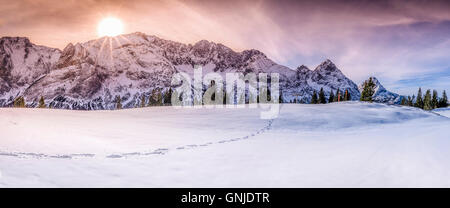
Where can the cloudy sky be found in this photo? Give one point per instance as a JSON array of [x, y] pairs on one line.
[[405, 44]]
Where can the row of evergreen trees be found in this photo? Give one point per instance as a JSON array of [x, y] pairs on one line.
[[156, 98], [19, 102], [338, 97], [428, 102]]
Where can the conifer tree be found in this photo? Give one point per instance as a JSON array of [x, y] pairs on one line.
[[118, 102], [280, 99], [331, 98], [336, 97], [419, 99], [410, 101], [143, 101], [344, 95], [368, 90], [427, 101], [158, 95], [212, 85], [42, 103], [347, 96], [322, 98], [257, 99], [443, 102], [168, 97], [164, 96], [152, 98], [314, 99], [225, 97], [404, 101], [19, 102], [434, 100]]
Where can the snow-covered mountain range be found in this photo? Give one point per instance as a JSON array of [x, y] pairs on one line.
[[91, 75]]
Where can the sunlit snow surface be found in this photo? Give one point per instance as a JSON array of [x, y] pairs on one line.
[[335, 145]]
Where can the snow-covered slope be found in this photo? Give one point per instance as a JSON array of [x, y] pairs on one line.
[[348, 144], [442, 111], [91, 75], [382, 95]]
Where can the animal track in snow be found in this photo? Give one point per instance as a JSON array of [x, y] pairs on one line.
[[160, 151]]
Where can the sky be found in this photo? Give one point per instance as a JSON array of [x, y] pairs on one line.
[[405, 44]]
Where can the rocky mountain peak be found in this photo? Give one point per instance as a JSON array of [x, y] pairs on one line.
[[16, 41], [303, 68], [139, 34], [206, 48], [203, 43], [68, 47], [327, 65], [253, 53]]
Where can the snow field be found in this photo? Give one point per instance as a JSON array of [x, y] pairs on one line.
[[349, 144]]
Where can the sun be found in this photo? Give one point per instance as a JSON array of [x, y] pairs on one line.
[[110, 26]]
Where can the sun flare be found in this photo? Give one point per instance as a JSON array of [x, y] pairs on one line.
[[110, 26]]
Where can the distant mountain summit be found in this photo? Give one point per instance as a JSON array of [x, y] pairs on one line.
[[327, 76], [91, 75], [381, 94]]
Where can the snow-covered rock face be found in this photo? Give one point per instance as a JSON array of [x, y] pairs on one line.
[[90, 75], [382, 95], [22, 64], [326, 76]]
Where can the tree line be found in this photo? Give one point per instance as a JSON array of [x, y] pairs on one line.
[[320, 98], [19, 102], [156, 98], [429, 101]]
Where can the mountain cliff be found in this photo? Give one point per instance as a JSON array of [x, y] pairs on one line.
[[21, 65]]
